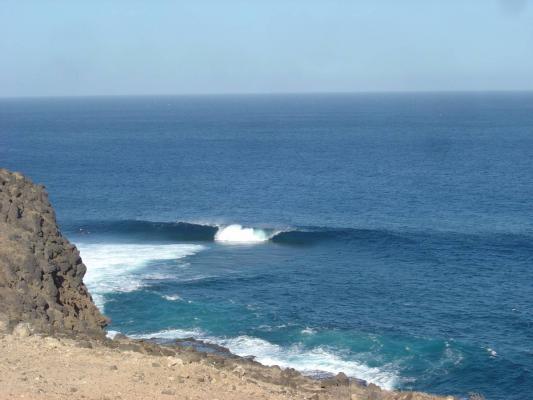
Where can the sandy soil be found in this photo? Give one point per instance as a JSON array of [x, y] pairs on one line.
[[35, 367]]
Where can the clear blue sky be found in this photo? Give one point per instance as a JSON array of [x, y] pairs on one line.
[[59, 47]]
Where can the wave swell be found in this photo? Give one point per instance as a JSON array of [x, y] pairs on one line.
[[172, 232], [232, 233]]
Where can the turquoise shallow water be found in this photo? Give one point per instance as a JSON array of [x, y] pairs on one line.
[[387, 236]]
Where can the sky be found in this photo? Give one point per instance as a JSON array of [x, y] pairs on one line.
[[129, 47]]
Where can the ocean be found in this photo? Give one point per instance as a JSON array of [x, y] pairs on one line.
[[388, 236]]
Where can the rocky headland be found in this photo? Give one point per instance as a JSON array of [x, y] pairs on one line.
[[53, 343], [41, 272]]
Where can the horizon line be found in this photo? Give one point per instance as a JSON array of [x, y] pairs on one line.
[[222, 94]]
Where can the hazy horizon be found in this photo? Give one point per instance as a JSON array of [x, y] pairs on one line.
[[64, 49], [237, 94]]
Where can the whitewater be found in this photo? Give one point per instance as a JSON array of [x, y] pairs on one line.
[[116, 268], [236, 233]]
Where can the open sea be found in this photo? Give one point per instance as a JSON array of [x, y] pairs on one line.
[[388, 236]]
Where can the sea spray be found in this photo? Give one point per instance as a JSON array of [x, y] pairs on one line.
[[238, 234]]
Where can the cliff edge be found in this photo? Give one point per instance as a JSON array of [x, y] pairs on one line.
[[41, 272]]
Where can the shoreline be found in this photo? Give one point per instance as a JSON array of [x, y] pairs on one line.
[[124, 368], [201, 346]]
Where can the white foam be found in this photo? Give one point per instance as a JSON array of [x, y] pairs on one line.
[[111, 334], [158, 276], [307, 361], [171, 334], [113, 267], [238, 234], [173, 297]]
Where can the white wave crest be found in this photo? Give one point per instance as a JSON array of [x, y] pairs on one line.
[[238, 234], [307, 361], [114, 267]]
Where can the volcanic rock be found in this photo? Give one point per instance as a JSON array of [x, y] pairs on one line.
[[41, 272]]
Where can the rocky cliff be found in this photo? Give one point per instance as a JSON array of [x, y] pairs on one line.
[[41, 272]]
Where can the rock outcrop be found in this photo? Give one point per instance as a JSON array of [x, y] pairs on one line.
[[41, 272]]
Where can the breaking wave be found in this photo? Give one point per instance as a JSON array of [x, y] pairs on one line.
[[147, 231], [310, 361], [172, 232], [238, 234]]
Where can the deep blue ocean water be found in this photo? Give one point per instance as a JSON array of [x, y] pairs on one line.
[[389, 236]]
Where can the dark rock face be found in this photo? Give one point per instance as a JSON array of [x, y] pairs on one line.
[[40, 271]]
